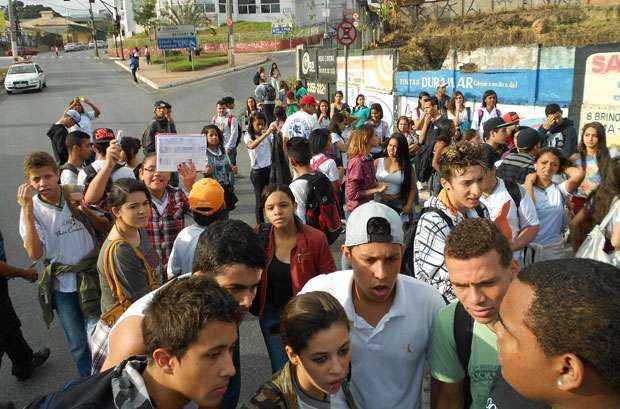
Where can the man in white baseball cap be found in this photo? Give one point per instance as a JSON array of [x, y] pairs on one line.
[[391, 314]]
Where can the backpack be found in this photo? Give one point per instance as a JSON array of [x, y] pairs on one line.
[[322, 206], [68, 166], [256, 78], [463, 328], [407, 266], [423, 161], [481, 114], [270, 93]]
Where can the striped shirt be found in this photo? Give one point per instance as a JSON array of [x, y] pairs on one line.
[[515, 167], [430, 241]]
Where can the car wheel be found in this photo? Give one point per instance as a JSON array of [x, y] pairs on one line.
[[9, 92], [45, 85]]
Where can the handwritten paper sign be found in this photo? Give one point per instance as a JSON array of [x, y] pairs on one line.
[[173, 149]]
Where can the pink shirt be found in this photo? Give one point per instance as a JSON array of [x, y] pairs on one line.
[[360, 176]]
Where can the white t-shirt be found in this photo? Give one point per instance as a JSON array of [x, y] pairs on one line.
[[300, 188], [230, 132], [300, 124], [68, 177], [260, 157], [387, 361], [85, 125], [120, 173], [328, 167], [550, 206], [486, 115], [463, 115], [518, 219], [181, 259], [65, 240]]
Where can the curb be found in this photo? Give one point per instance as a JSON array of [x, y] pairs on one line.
[[192, 80]]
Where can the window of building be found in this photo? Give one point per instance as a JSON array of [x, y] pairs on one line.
[[270, 6], [247, 6], [222, 4]]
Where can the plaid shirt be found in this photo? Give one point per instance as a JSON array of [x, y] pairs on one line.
[[98, 343], [163, 228], [429, 244]]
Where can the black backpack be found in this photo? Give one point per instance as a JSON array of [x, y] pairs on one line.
[[322, 206], [270, 92], [463, 329], [423, 162], [68, 166], [407, 266], [515, 192]]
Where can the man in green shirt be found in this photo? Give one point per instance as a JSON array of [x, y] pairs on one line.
[[481, 267]]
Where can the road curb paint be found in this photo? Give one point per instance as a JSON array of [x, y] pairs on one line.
[[153, 85]]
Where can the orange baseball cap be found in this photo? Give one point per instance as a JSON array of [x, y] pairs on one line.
[[207, 196]]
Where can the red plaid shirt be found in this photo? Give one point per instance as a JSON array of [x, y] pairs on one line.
[[164, 228]]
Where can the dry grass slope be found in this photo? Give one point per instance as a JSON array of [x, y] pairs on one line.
[[424, 46]]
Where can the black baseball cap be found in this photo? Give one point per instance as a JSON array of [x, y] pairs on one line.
[[527, 138], [491, 124], [162, 104]]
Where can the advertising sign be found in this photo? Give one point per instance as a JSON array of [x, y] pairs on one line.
[[373, 72], [173, 37], [281, 28], [326, 64], [308, 64]]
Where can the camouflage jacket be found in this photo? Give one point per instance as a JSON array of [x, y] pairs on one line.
[[279, 392]]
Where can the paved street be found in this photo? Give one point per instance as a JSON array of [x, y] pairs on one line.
[[25, 119]]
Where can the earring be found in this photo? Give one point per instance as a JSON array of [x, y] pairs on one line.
[[560, 382]]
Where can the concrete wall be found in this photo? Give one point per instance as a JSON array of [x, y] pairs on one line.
[[453, 8]]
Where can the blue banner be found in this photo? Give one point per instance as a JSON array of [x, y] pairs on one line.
[[512, 86], [174, 43]]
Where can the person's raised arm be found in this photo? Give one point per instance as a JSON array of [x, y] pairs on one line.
[[96, 189], [28, 229], [575, 177], [95, 108], [254, 143]]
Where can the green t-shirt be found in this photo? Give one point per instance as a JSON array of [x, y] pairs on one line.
[[444, 360]]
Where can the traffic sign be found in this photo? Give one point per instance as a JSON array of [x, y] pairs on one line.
[[346, 33], [229, 22], [281, 28], [172, 37]]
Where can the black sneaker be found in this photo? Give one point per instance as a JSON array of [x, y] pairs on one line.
[[38, 359]]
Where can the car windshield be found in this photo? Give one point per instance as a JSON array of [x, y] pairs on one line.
[[22, 69]]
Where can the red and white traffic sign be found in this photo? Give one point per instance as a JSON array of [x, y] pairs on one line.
[[346, 33], [229, 22]]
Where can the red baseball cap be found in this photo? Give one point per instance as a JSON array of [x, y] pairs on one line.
[[103, 135], [511, 117], [307, 100]]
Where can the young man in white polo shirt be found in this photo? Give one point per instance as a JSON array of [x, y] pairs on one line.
[[391, 314]]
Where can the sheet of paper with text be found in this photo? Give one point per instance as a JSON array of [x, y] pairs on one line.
[[173, 149]]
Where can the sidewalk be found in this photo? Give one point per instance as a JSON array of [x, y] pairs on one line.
[[156, 77]]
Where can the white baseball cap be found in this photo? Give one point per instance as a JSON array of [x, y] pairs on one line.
[[73, 114], [357, 225]]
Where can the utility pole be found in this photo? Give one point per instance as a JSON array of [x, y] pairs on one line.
[[92, 26], [231, 34], [13, 30]]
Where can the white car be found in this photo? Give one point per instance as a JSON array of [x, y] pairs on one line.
[[24, 76]]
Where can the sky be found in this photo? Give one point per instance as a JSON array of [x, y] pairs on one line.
[[66, 7]]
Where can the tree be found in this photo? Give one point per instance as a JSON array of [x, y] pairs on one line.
[[187, 12], [28, 11], [3, 24], [144, 14]]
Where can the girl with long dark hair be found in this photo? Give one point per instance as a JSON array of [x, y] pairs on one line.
[[380, 126], [396, 172], [258, 140], [280, 170], [591, 155], [459, 113], [295, 253], [488, 109], [323, 113], [315, 331]]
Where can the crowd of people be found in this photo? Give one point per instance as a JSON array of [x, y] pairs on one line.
[[493, 285]]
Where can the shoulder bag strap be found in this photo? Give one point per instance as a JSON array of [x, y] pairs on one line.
[[150, 274], [109, 269], [463, 335]]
